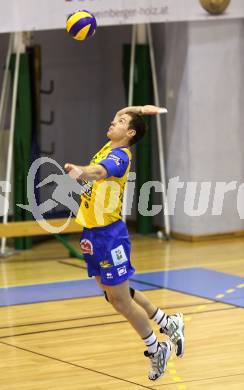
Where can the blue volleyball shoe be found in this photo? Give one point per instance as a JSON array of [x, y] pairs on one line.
[[175, 330]]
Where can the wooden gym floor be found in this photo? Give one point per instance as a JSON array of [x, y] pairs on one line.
[[83, 344]]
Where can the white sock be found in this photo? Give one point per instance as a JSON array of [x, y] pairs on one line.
[[151, 342], [160, 317]]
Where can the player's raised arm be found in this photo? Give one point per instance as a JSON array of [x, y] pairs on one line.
[[90, 172], [143, 110]]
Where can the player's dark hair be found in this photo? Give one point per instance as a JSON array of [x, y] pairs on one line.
[[138, 124]]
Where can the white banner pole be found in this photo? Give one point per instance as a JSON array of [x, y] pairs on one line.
[[18, 37], [5, 86]]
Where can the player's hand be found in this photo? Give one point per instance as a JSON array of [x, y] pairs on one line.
[[74, 171], [153, 110]]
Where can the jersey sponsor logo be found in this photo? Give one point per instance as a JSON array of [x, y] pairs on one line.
[[122, 271], [118, 255], [86, 247], [118, 161], [86, 188], [105, 264]]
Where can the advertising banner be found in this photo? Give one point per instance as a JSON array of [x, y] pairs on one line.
[[28, 15]]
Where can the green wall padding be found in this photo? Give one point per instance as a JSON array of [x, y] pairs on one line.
[[22, 145]]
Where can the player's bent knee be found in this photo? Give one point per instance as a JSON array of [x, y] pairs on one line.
[[120, 304], [132, 294]]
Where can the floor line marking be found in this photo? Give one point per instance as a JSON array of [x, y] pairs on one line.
[[75, 365], [98, 316], [187, 318]]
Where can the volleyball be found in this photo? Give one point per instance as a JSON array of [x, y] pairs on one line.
[[81, 25], [215, 7]]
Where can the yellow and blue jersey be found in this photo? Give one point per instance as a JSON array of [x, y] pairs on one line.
[[101, 201]]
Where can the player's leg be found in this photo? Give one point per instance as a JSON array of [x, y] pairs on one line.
[[115, 271], [171, 325], [118, 257], [119, 297], [145, 303], [159, 353]]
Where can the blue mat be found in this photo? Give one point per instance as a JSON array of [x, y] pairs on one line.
[[55, 292], [195, 281], [200, 282]]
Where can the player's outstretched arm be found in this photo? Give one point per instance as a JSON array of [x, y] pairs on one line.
[[90, 172], [143, 110]]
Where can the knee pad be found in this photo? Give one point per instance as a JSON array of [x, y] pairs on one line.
[[106, 296], [132, 292]]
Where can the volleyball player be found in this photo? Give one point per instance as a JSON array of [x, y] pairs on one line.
[[105, 242]]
